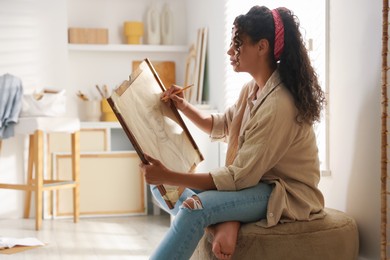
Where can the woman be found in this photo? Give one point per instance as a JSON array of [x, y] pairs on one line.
[[272, 167]]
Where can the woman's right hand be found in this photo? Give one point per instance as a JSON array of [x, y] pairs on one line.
[[178, 99]]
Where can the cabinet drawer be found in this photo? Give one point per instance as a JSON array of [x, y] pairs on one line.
[[90, 140]]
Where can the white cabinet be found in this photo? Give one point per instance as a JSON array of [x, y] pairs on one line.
[[110, 181]]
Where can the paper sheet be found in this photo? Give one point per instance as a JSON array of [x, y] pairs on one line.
[[9, 242]]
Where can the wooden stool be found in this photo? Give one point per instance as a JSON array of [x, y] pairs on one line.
[[333, 237], [35, 127]]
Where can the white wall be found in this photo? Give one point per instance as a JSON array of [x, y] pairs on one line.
[[210, 14], [355, 60], [46, 34], [354, 83]]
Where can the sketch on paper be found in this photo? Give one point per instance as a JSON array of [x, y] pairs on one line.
[[154, 127]]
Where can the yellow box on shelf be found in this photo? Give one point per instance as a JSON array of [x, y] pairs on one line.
[[133, 31]]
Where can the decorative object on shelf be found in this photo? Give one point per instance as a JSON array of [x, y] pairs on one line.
[[166, 25], [195, 67], [152, 26], [189, 76], [170, 49], [201, 60], [88, 35], [133, 32], [107, 113], [93, 111], [165, 69]]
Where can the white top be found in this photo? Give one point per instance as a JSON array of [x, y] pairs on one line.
[[28, 125]]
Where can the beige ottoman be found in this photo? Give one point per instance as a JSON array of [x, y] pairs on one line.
[[333, 238]]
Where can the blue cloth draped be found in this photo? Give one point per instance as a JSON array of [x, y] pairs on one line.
[[11, 93]]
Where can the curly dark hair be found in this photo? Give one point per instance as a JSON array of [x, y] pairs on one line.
[[295, 67]]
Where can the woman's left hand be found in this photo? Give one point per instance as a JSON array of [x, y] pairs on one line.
[[155, 173]]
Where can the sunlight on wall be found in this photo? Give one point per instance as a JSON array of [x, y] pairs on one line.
[[21, 48], [20, 41]]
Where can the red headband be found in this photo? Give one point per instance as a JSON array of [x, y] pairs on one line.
[[279, 34]]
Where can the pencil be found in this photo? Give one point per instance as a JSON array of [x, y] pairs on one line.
[[100, 91], [177, 92]]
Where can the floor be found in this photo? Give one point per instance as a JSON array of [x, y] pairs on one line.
[[99, 238]]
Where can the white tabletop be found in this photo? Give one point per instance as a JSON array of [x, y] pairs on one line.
[[28, 125]]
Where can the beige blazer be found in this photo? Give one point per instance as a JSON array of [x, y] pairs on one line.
[[269, 145]]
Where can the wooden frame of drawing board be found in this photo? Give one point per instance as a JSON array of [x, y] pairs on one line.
[[155, 127]]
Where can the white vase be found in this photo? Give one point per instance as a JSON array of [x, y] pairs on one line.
[[152, 27], [166, 25]]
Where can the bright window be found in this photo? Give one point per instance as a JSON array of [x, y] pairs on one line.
[[312, 16]]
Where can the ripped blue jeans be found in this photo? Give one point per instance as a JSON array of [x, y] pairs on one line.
[[187, 229]]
